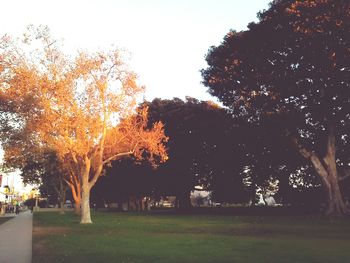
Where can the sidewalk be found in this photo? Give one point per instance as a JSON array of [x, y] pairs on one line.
[[16, 239]]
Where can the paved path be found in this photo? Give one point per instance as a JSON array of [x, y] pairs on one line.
[[16, 239]]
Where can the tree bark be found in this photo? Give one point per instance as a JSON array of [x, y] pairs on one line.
[[76, 193], [85, 194], [336, 205], [85, 205], [62, 196], [77, 206], [62, 207], [329, 177]]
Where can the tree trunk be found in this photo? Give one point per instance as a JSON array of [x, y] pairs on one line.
[[85, 205], [62, 196], [284, 190], [120, 205], [326, 168], [184, 201], [77, 202], [76, 193], [329, 177], [77, 206], [62, 206], [252, 194], [85, 194], [336, 205]]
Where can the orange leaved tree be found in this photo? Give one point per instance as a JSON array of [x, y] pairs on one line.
[[83, 108]]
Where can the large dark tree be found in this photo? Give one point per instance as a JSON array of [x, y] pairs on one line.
[[295, 65], [205, 149], [126, 180], [202, 149]]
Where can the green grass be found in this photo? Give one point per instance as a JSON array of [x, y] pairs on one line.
[[132, 237]]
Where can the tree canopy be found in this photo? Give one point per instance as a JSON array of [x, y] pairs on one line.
[[293, 65], [202, 145], [82, 108]]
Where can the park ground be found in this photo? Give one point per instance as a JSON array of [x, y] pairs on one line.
[[139, 237]]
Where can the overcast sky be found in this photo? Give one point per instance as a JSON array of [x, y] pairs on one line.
[[167, 39]]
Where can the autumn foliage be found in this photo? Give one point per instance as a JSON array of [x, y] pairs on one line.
[[83, 108]]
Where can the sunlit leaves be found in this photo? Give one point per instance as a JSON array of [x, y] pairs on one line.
[[83, 108]]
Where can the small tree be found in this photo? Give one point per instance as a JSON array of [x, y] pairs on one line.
[[84, 108], [48, 171]]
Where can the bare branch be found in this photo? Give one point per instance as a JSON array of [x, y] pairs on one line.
[[53, 42], [110, 69]]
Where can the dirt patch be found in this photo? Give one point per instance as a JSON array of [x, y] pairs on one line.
[[42, 231], [39, 248]]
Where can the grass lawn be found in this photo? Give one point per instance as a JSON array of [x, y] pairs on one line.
[[133, 237]]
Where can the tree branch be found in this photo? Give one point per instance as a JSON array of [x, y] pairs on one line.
[[115, 157], [74, 157], [110, 69], [301, 149], [319, 164], [68, 183], [345, 174]]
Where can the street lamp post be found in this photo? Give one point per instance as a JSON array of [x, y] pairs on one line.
[[36, 195]]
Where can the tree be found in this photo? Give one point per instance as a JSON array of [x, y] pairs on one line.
[[46, 170], [38, 165], [124, 181], [82, 108], [231, 158], [203, 142], [294, 65]]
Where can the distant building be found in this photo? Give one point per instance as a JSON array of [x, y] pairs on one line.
[[12, 187]]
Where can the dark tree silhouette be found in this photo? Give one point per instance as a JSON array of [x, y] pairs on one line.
[[294, 65], [43, 168], [202, 149], [124, 181]]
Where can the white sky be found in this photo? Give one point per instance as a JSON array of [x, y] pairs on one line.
[[167, 39]]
